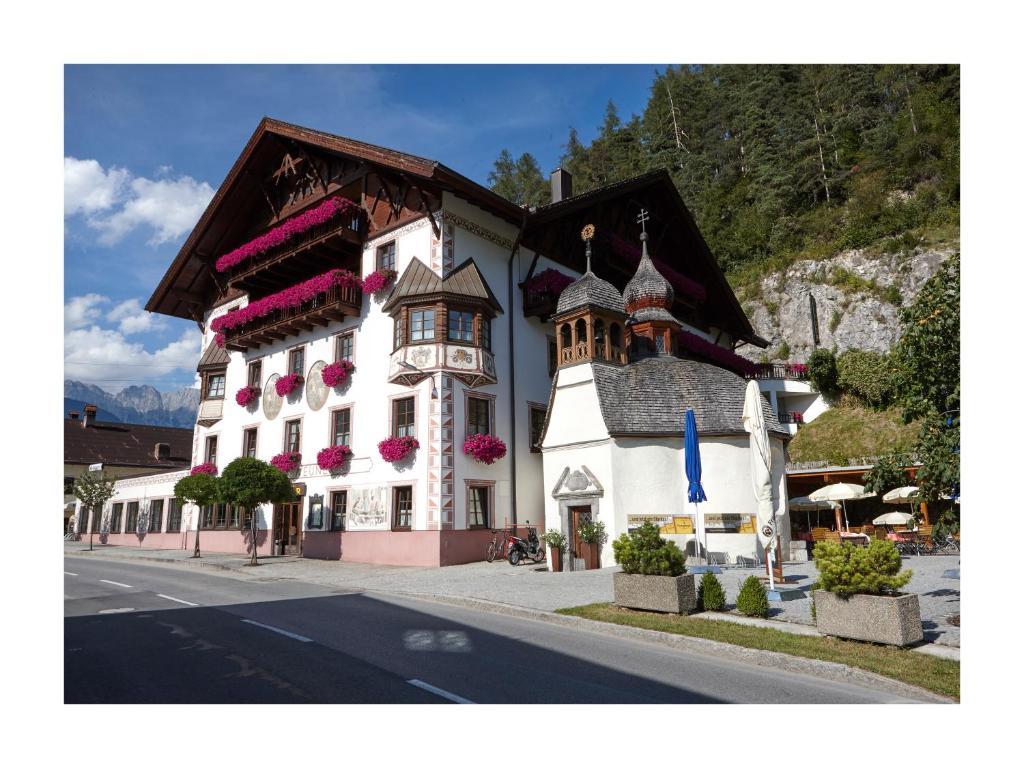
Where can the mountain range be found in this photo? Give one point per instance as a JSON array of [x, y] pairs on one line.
[[135, 404]]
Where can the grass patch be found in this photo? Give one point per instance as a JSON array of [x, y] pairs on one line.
[[848, 431], [934, 674]]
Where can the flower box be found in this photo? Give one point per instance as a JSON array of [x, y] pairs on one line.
[[397, 448], [484, 448], [246, 396], [285, 385], [378, 281], [667, 594], [287, 461], [333, 457], [887, 619], [336, 374], [556, 559], [209, 468]]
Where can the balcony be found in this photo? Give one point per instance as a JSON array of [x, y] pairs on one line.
[[471, 365], [338, 242], [539, 304], [334, 304], [792, 371]]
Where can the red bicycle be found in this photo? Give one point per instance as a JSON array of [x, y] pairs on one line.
[[498, 545]]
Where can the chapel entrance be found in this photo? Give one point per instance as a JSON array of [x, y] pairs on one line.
[[287, 529], [578, 515]]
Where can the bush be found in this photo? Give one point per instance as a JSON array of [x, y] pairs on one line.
[[848, 570], [822, 371], [593, 533], [644, 551], [868, 375], [555, 539], [753, 598], [710, 595]]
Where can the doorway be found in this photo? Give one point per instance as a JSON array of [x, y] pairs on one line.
[[288, 529], [577, 517]]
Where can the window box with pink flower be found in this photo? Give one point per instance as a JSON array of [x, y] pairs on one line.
[[287, 461], [334, 457], [209, 468], [285, 385], [379, 280], [486, 449], [247, 396], [336, 374], [397, 448]]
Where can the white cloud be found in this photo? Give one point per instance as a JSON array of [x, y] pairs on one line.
[[132, 318], [115, 203], [104, 357], [82, 310]]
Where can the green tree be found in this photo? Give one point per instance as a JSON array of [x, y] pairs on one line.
[[519, 181], [248, 483], [938, 450], [93, 490], [887, 473], [866, 375], [201, 490], [823, 372]]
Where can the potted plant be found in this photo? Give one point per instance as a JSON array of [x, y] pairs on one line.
[[378, 281], [484, 448], [395, 449], [336, 374], [209, 468], [593, 536], [859, 594], [653, 576], [285, 385], [287, 461], [556, 545], [334, 457], [246, 396]]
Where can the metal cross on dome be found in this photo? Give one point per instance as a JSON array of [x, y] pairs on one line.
[[642, 219]]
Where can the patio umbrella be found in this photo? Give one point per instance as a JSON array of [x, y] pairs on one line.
[[841, 492], [804, 504], [761, 470], [893, 518], [695, 492], [906, 494]]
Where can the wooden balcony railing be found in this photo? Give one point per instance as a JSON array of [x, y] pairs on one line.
[[333, 304], [791, 417], [797, 371], [540, 304]]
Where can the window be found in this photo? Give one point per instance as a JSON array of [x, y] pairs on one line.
[[156, 515], [421, 325], [339, 506], [478, 507], [214, 386], [249, 443], [404, 419], [206, 520], [97, 520], [131, 519], [115, 518], [341, 427], [478, 416], [485, 333], [220, 516], [211, 449], [255, 373], [537, 416], [297, 360], [173, 516], [398, 331], [343, 346], [292, 435], [386, 256], [460, 326], [233, 511], [402, 508]]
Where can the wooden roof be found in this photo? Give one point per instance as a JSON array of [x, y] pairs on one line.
[[125, 445], [420, 282], [213, 357]]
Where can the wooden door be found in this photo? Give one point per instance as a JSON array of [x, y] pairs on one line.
[[287, 529], [579, 516]]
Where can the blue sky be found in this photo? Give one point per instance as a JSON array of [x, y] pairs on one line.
[[145, 147]]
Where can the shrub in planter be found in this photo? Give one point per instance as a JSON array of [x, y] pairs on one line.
[[378, 281], [484, 448], [397, 448], [848, 570], [556, 543], [710, 595], [246, 396], [753, 598], [287, 461], [285, 385], [333, 457], [653, 574], [336, 374], [208, 468], [593, 536]]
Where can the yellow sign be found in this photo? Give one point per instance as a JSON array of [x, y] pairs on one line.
[[679, 525]]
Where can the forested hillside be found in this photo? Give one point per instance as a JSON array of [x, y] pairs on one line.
[[781, 164]]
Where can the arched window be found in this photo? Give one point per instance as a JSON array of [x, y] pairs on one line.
[[566, 336], [581, 331], [615, 335], [599, 339]]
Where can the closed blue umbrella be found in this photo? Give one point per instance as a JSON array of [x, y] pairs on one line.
[[695, 493]]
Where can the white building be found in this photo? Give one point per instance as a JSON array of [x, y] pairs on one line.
[[457, 343]]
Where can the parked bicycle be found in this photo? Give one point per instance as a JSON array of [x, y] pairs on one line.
[[498, 546], [948, 547]]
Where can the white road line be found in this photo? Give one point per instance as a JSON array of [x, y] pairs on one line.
[[439, 692], [279, 631], [117, 584], [69, 573], [116, 610], [175, 599]]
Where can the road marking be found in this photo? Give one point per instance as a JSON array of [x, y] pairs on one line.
[[439, 692], [279, 631], [116, 610], [69, 573], [175, 599], [117, 584]]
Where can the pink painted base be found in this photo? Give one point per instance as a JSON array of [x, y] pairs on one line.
[[209, 541], [418, 548]]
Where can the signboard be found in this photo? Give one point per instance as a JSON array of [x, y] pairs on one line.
[[96, 467], [635, 521], [316, 512], [300, 489], [679, 524], [367, 509]]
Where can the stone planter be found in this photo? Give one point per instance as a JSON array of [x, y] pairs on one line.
[[556, 559], [888, 619], [667, 594]]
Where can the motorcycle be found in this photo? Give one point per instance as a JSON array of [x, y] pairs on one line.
[[530, 547]]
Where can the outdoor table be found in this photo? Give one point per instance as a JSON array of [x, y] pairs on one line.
[[860, 539]]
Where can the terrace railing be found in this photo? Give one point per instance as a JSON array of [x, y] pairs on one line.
[[797, 371]]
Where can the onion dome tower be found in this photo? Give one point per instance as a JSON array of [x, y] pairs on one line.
[[650, 328], [589, 319]]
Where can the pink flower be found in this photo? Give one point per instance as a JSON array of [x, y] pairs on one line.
[[721, 356], [333, 457], [286, 299], [246, 396], [287, 461], [548, 282], [208, 468], [484, 448], [378, 281], [218, 339], [397, 448], [282, 233], [336, 374], [285, 385], [632, 253]]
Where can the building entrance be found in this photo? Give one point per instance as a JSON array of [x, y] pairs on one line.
[[288, 529]]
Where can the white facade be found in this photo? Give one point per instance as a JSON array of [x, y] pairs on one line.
[[793, 396]]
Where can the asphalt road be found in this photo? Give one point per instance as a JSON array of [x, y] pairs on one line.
[[148, 634]]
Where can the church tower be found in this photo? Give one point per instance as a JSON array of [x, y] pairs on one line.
[[651, 329], [590, 319]]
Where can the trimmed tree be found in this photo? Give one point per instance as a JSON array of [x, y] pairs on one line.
[[200, 490], [93, 491], [887, 473], [249, 483]]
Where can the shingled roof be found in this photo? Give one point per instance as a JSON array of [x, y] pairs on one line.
[[125, 445], [590, 291], [420, 281]]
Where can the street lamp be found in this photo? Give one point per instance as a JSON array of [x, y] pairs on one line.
[[411, 367]]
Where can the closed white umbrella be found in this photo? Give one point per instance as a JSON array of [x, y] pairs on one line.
[[761, 470], [841, 492]]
